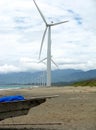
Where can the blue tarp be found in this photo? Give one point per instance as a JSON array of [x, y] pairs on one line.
[[11, 98]]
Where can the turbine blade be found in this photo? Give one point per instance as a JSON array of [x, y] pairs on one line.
[[40, 12], [42, 42], [54, 63], [58, 23], [42, 60]]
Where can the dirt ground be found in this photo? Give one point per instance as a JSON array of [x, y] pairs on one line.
[[73, 109]]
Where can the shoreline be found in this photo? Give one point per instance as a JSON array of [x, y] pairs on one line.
[[27, 87]]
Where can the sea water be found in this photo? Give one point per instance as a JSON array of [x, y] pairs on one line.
[[6, 87]]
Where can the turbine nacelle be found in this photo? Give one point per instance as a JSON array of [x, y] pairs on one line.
[[53, 24], [47, 25], [42, 61]]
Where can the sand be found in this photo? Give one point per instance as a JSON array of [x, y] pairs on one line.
[[74, 109]]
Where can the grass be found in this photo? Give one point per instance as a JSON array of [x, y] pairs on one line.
[[90, 83]]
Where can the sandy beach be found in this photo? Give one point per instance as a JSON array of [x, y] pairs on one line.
[[74, 109]]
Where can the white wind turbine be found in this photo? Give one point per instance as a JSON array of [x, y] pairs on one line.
[[48, 27]]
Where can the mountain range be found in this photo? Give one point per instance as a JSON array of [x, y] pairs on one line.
[[58, 76]]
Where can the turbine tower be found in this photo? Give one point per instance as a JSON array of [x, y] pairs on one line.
[[48, 27]]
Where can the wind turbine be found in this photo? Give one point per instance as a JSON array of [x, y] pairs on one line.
[[48, 27]]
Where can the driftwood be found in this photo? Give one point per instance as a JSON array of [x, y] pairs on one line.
[[18, 108]]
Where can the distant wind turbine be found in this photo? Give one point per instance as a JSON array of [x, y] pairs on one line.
[[48, 27]]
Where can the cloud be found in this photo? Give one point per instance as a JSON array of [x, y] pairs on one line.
[[22, 28], [8, 68], [31, 64], [76, 17]]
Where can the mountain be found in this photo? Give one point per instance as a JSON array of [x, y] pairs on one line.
[[58, 76], [64, 75]]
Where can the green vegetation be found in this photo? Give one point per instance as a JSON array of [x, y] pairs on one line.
[[91, 83]]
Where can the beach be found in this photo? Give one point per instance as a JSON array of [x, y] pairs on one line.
[[73, 109]]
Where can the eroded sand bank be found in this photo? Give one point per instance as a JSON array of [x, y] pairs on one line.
[[74, 109]]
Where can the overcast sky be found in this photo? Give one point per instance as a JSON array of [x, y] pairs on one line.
[[21, 30]]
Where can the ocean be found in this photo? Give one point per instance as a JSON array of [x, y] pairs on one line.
[[6, 87]]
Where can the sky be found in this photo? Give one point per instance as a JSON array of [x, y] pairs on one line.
[[22, 28]]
